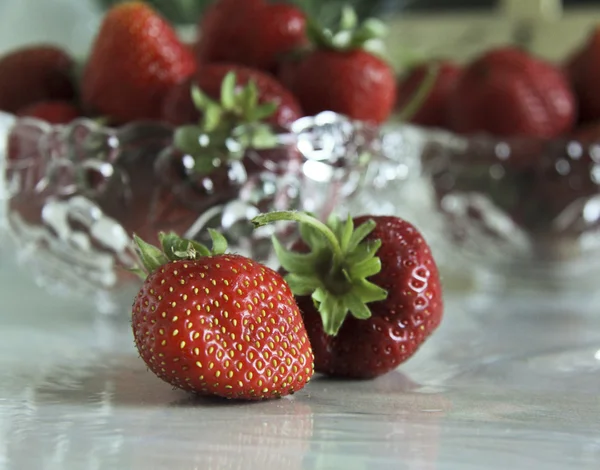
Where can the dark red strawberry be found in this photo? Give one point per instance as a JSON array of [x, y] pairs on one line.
[[135, 59], [507, 92], [35, 73], [369, 296], [583, 68], [250, 32], [218, 324], [54, 112], [339, 74], [433, 110], [179, 108]]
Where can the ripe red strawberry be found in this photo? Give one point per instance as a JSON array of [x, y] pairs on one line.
[[54, 112], [507, 92], [250, 32], [339, 74], [583, 69], [32, 74], [432, 112], [178, 107], [382, 273], [136, 58], [218, 324]]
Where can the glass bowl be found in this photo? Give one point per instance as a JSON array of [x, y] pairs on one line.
[[74, 194], [500, 213]]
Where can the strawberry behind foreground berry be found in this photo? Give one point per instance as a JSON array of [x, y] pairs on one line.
[[135, 59], [340, 74], [218, 324], [369, 296]]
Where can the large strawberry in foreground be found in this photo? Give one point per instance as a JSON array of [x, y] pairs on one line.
[[507, 92], [218, 324], [369, 296], [250, 32], [340, 74], [135, 59]]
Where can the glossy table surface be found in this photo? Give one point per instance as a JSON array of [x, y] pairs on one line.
[[484, 393]]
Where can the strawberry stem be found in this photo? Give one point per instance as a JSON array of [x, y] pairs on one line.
[[335, 270], [174, 248], [421, 95]]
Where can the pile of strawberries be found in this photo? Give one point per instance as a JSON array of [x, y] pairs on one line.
[[509, 92], [138, 68]]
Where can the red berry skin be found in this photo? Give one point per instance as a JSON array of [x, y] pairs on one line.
[[507, 92], [32, 74], [53, 112], [583, 68], [433, 112], [223, 325], [355, 83], [398, 325], [178, 108], [250, 32], [135, 59]]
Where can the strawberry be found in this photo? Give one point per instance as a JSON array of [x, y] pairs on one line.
[[250, 32], [583, 68], [178, 107], [135, 59], [218, 324], [369, 296], [339, 74], [53, 112], [433, 110], [507, 92], [35, 73]]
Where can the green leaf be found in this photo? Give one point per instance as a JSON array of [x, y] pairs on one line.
[[152, 258], [249, 99], [333, 313], [264, 111], [302, 264], [219, 242], [177, 248], [200, 100], [228, 98], [356, 306], [364, 251], [302, 285], [365, 269], [187, 139], [361, 232], [346, 233], [349, 18], [213, 115], [369, 292]]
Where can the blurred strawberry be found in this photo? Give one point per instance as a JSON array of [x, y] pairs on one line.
[[35, 73], [53, 112], [136, 58], [250, 32], [433, 110], [178, 107], [507, 92], [583, 68], [339, 74]]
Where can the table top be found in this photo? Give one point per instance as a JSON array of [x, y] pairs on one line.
[[75, 395]]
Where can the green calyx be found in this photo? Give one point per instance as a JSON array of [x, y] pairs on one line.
[[351, 34], [335, 271], [420, 96], [227, 128], [174, 248]]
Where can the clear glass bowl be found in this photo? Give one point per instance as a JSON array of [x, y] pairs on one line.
[[73, 195], [500, 213]]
